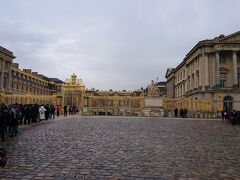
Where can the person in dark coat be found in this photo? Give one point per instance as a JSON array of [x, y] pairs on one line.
[[5, 116], [65, 110], [2, 124], [13, 121], [27, 113], [181, 113], [185, 111], [34, 113], [47, 112], [176, 112], [52, 109], [58, 110]]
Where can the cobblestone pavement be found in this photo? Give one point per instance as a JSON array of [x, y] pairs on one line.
[[124, 148]]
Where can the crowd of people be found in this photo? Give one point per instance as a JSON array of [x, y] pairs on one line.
[[182, 112], [14, 115], [231, 116]]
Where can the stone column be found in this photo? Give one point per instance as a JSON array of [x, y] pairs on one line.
[[195, 80], [2, 76], [9, 79], [235, 77], [217, 68], [206, 73], [190, 82], [201, 70]]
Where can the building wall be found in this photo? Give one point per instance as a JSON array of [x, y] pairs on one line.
[[206, 66], [24, 82], [6, 58]]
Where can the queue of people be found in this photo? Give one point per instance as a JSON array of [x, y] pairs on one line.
[[71, 110], [14, 115], [182, 112]]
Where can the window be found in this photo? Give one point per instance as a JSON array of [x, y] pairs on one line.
[[223, 79], [222, 59], [6, 65], [238, 76], [238, 58]]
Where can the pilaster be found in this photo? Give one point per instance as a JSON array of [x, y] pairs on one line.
[[206, 72], [235, 78], [9, 79], [217, 68], [202, 70], [2, 76]]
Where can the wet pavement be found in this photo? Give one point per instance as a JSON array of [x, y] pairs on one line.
[[124, 148]]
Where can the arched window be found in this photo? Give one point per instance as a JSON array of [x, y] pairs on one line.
[[228, 103]]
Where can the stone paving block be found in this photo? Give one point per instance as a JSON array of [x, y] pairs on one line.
[[124, 148]]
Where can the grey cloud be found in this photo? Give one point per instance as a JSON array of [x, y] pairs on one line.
[[120, 44]]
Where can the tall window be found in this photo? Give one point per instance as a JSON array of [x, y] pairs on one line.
[[6, 65], [222, 59], [223, 79], [238, 76], [238, 58]]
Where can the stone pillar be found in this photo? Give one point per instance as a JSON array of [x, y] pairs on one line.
[[206, 73], [2, 76], [190, 82], [217, 68], [202, 70], [9, 79], [213, 77], [195, 80], [235, 77]]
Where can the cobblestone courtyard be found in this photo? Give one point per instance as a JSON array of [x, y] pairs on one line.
[[124, 148]]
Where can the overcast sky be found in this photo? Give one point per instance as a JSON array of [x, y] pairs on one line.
[[117, 44]]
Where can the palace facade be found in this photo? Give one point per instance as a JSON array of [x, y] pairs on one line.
[[142, 102], [209, 73], [24, 86]]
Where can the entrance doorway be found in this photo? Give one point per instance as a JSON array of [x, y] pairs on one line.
[[228, 103]]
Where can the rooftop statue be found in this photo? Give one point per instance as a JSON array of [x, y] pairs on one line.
[[153, 89]]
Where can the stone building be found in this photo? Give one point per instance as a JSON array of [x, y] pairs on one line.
[[22, 85], [6, 58], [210, 72]]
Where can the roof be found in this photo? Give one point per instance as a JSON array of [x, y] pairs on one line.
[[56, 80], [7, 52], [221, 39]]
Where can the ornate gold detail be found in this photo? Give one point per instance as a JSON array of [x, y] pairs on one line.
[[74, 80]]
